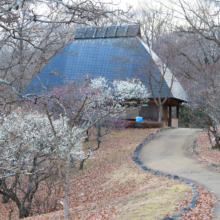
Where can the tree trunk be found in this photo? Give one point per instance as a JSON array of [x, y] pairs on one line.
[[215, 132], [87, 136], [160, 118], [9, 194], [210, 140], [23, 212], [65, 201], [66, 182], [72, 162], [5, 199]]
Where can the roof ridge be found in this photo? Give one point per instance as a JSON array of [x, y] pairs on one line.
[[107, 31]]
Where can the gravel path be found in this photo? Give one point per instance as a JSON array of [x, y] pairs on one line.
[[169, 152]]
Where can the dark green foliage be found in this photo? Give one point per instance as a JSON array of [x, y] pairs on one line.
[[196, 118], [193, 118]]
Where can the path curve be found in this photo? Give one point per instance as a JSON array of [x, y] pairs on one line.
[[169, 152]]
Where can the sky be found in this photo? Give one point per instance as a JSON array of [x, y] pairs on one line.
[[123, 3]]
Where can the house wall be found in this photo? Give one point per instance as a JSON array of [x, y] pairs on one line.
[[175, 122], [173, 102], [131, 113], [149, 112]]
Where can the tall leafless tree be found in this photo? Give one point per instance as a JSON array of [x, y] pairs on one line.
[[33, 31], [156, 23], [196, 41]]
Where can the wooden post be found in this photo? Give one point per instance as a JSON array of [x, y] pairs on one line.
[[170, 116]]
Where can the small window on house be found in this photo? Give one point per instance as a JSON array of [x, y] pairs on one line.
[[174, 111]]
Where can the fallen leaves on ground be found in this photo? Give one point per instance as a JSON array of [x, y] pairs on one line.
[[205, 150], [111, 184], [204, 206]]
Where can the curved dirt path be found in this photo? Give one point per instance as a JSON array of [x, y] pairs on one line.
[[169, 152]]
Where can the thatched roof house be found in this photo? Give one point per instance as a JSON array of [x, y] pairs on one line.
[[115, 52]]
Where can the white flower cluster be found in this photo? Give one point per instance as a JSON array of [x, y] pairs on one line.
[[24, 136], [104, 98], [99, 83], [130, 89], [99, 92], [122, 89]]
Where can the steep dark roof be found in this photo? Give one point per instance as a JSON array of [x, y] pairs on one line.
[[107, 32], [110, 57]]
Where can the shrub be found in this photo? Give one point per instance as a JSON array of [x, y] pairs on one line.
[[145, 124]]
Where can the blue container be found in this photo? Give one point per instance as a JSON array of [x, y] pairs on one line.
[[139, 119]]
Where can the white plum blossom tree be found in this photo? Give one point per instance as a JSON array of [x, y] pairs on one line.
[[119, 91], [29, 147], [49, 138]]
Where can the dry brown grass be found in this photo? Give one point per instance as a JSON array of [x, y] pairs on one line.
[[152, 204], [152, 197]]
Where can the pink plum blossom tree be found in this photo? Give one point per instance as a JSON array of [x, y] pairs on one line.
[[85, 106]]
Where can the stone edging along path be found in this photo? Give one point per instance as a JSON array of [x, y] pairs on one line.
[[139, 163], [197, 153]]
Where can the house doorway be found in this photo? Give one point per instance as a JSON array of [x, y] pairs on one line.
[[173, 115]]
